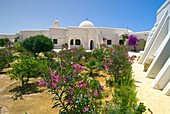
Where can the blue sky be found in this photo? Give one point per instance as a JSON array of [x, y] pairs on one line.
[[137, 15]]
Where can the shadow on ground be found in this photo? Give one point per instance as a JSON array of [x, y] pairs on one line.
[[29, 88]]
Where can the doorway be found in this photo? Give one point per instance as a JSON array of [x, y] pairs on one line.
[[91, 44]]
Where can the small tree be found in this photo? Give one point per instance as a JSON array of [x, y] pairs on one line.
[[37, 44], [24, 69], [4, 41]]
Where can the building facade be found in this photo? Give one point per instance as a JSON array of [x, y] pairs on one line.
[[86, 35]]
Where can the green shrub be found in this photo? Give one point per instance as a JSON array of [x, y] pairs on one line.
[[125, 97], [24, 69], [19, 47], [92, 64], [4, 41], [37, 44], [16, 39], [5, 58]]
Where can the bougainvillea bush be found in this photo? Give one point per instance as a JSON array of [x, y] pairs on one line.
[[133, 41], [5, 58], [73, 93], [118, 63]]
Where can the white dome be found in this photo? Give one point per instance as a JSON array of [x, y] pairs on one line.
[[87, 24], [129, 31]]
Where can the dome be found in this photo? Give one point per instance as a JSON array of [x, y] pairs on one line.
[[129, 31], [56, 24], [87, 24]]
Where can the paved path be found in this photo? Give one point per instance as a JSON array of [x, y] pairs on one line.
[[152, 98]]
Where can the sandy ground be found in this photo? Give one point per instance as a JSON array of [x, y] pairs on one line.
[[152, 98]]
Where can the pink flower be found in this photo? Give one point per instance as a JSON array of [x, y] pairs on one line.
[[87, 94], [96, 94], [86, 108], [72, 89], [64, 68], [71, 62], [120, 71], [48, 84], [54, 86], [57, 79], [42, 82], [102, 62], [98, 105], [121, 54], [106, 49], [71, 101], [113, 51], [91, 90], [53, 80], [102, 90], [7, 53], [71, 93], [81, 86], [49, 69], [80, 81]]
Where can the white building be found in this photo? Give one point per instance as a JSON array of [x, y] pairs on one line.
[[158, 49], [86, 35]]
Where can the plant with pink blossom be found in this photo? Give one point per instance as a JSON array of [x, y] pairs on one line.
[[5, 58]]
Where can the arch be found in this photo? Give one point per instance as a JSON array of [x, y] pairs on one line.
[[77, 42], [91, 44], [71, 42]]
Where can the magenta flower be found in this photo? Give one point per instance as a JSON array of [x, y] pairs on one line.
[[91, 90], [80, 81], [71, 101], [87, 94], [113, 51], [86, 108], [71, 93], [54, 86], [42, 82], [120, 71], [98, 105], [49, 69], [7, 53], [72, 89], [96, 94]]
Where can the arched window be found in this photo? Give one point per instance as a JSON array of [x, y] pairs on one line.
[[71, 42], [77, 42], [55, 41]]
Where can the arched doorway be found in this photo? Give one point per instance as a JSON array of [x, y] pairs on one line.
[[91, 44]]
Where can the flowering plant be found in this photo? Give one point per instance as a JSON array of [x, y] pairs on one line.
[[132, 41], [118, 63], [5, 58], [73, 93], [70, 54]]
